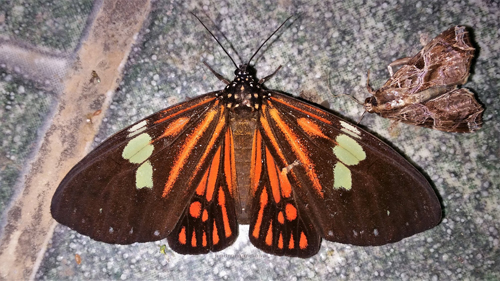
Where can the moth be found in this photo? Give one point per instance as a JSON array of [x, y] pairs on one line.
[[424, 91], [245, 155]]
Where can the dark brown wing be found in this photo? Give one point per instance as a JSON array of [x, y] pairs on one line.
[[351, 186], [280, 223], [137, 185], [209, 221]]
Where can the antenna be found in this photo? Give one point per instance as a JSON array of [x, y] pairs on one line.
[[262, 45], [213, 36]]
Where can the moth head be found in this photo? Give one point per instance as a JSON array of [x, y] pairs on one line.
[[242, 71], [370, 104]]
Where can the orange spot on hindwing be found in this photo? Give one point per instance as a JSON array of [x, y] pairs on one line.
[[195, 209], [269, 235], [182, 236], [303, 241], [281, 218], [215, 235], [291, 212], [193, 239], [291, 243]]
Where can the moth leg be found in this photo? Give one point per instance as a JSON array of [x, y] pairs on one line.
[[424, 39], [368, 87], [398, 62]]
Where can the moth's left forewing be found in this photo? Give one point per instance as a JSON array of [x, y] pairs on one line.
[[132, 187], [357, 189], [455, 111]]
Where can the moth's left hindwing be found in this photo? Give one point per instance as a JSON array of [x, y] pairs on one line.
[[209, 221], [135, 186]]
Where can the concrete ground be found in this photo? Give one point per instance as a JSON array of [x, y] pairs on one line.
[[148, 56]]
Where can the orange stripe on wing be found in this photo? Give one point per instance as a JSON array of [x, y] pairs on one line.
[[280, 241], [200, 190], [172, 115], [309, 113], [273, 176], [185, 151], [260, 215], [225, 218], [310, 127], [175, 127], [286, 187], [270, 135], [291, 243], [221, 124], [229, 163], [212, 177], [256, 165], [299, 149]]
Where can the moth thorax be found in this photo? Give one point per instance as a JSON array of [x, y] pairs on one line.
[[243, 96]]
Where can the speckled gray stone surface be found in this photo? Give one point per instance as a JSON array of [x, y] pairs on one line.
[[336, 41]]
